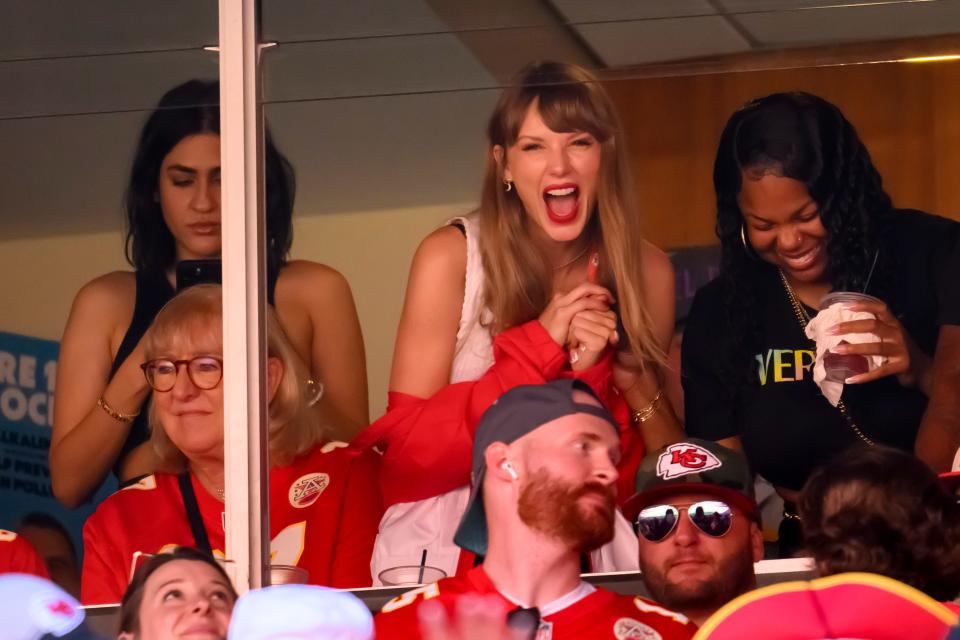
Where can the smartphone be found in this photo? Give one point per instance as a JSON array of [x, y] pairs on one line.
[[191, 272]]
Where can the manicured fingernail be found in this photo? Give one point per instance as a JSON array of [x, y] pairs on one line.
[[840, 348], [832, 331], [852, 380]]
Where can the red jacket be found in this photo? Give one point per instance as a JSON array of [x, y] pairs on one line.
[[602, 615], [18, 556], [324, 512], [427, 442]]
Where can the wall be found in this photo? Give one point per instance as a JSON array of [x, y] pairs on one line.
[[908, 114], [372, 249]]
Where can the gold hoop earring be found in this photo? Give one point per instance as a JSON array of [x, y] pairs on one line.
[[508, 186], [743, 240]]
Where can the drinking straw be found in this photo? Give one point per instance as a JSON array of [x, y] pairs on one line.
[[423, 563], [866, 284]]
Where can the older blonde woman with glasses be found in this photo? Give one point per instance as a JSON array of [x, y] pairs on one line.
[[324, 502]]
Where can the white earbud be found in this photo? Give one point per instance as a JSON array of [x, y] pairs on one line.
[[506, 466]]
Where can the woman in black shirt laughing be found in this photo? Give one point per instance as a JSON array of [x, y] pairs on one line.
[[801, 212]]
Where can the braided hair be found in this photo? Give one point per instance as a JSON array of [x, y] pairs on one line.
[[800, 136]]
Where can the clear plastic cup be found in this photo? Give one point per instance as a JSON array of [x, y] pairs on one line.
[[288, 574], [840, 366], [410, 576]]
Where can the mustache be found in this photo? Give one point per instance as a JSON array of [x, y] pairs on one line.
[[607, 492]]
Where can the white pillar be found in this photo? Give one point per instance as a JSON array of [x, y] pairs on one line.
[[244, 303]]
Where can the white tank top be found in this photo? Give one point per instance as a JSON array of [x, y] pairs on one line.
[[474, 352], [410, 528]]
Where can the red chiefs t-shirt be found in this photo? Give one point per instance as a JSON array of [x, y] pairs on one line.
[[324, 512], [18, 556], [601, 615]]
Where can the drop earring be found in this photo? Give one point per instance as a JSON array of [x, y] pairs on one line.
[[508, 186]]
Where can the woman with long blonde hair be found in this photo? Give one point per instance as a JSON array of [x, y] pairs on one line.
[[548, 278]]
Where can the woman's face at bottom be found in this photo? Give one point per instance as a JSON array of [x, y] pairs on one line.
[[185, 600]]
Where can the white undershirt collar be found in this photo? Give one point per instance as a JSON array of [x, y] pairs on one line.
[[580, 592]]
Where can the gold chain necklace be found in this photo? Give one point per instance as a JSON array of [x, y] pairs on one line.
[[804, 318], [572, 260]]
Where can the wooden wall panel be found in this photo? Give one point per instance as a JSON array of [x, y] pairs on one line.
[[908, 114]]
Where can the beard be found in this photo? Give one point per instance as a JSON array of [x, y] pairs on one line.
[[734, 576], [554, 508]]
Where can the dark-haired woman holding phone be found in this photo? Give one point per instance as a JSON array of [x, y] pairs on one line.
[[173, 214]]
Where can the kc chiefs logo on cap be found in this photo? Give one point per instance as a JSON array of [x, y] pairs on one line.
[[683, 458], [306, 489]]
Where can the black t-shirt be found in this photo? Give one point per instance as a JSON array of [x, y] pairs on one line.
[[786, 425]]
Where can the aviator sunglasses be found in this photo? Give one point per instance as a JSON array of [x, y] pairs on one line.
[[712, 517]]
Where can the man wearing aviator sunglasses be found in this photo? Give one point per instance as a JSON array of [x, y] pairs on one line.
[[697, 524]]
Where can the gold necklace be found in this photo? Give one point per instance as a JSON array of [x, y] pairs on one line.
[[572, 260], [804, 318]]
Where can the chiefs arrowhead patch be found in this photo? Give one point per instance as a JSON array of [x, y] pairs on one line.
[[683, 458]]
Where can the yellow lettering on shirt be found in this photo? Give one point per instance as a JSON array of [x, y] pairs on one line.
[[287, 546], [800, 366], [779, 365], [649, 607], [764, 367], [427, 591], [789, 365]]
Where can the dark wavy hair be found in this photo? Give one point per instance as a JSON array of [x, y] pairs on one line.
[[883, 511], [133, 596], [800, 136], [189, 109]]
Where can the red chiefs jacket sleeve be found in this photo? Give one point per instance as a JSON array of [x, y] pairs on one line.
[[427, 441]]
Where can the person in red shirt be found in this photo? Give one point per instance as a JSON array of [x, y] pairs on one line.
[[18, 556], [324, 501], [545, 472]]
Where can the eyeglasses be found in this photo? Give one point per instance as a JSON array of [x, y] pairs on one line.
[[205, 372], [712, 517]]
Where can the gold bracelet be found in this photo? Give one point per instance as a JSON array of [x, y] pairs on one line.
[[113, 413], [642, 415]]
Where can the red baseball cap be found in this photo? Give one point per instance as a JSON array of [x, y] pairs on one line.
[[864, 606]]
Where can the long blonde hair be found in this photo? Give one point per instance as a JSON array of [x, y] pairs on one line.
[[517, 280], [195, 315]]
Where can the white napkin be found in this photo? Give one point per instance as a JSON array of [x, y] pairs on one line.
[[816, 330]]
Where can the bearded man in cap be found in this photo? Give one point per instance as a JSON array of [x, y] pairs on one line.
[[544, 492], [698, 526]]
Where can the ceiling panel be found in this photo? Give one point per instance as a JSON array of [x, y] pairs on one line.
[[40, 28], [853, 23], [622, 44], [347, 68], [605, 10]]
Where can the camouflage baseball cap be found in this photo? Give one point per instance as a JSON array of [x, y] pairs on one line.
[[693, 466]]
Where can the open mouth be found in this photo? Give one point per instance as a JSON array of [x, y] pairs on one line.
[[801, 261], [562, 202]]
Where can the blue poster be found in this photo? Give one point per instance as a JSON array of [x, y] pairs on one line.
[[28, 371]]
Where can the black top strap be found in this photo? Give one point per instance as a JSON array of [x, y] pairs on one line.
[[200, 538]]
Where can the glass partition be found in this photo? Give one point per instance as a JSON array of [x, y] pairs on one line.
[[380, 107], [80, 81]]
